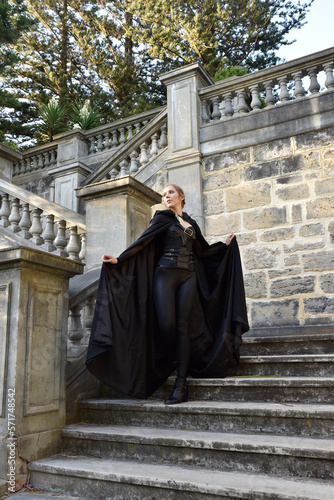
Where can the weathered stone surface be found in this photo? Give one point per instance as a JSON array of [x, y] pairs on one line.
[[246, 238], [312, 160], [320, 208], [329, 162], [319, 305], [256, 285], [292, 286], [224, 160], [292, 164], [320, 320], [316, 139], [292, 260], [302, 245], [261, 171], [213, 202], [267, 217], [274, 149], [319, 261], [275, 273], [294, 193], [331, 228], [296, 213], [291, 179], [275, 313], [283, 233], [312, 229], [327, 283], [247, 196], [325, 186], [217, 225], [226, 178], [261, 257]]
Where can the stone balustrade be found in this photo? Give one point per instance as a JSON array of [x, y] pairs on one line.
[[38, 158], [136, 152], [266, 88], [45, 224]]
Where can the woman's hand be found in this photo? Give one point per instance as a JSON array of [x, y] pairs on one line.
[[110, 259], [229, 239]]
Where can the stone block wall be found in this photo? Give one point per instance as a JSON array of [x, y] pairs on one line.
[[278, 197]]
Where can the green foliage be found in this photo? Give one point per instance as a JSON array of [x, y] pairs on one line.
[[227, 72], [85, 116], [53, 120]]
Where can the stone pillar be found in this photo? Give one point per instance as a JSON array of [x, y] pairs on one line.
[[117, 212], [184, 118], [33, 340], [70, 171], [8, 157]]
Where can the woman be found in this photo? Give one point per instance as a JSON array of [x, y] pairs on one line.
[[199, 311]]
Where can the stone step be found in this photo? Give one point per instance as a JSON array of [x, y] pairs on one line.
[[216, 416], [249, 388], [275, 455], [301, 365], [39, 495], [288, 344], [103, 478]]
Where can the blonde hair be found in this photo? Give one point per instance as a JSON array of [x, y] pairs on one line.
[[179, 190]]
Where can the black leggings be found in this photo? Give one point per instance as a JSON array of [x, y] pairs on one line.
[[174, 291]]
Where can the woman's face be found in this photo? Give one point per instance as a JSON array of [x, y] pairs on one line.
[[172, 199]]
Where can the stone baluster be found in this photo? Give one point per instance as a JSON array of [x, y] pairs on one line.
[[130, 131], [143, 154], [270, 98], [82, 253], [36, 226], [133, 163], [114, 138], [61, 241], [99, 146], [256, 103], [88, 316], [299, 89], [329, 82], [113, 173], [14, 217], [154, 145], [52, 191], [205, 115], [28, 165], [73, 247], [53, 160], [123, 168], [242, 106], [91, 145], [163, 141], [75, 330], [23, 166], [46, 159], [228, 108], [107, 144], [122, 139], [137, 127], [34, 165], [5, 210], [216, 114], [40, 163], [25, 222], [16, 169], [49, 234], [284, 93], [314, 85]]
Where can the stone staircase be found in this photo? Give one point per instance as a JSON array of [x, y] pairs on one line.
[[265, 433]]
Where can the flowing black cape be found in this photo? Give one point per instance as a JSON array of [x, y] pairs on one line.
[[125, 350]]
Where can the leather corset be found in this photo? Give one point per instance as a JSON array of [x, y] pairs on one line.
[[177, 248]]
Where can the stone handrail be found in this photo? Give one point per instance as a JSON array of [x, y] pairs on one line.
[[237, 96], [51, 226], [136, 152], [116, 134]]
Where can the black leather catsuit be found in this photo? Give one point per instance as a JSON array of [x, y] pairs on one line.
[[174, 290]]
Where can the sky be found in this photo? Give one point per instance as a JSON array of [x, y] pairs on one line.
[[317, 34]]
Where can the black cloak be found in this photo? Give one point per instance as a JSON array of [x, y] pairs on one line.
[[125, 351]]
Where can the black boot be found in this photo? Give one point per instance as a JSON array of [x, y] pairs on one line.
[[179, 394]]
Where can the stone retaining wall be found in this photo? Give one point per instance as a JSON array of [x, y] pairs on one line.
[[279, 199]]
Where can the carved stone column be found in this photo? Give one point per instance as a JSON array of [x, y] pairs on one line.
[[184, 119], [117, 212]]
